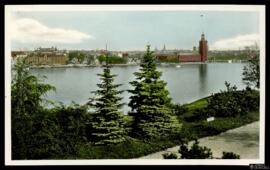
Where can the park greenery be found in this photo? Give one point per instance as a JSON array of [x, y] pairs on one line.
[[251, 73], [195, 151], [75, 55], [112, 59], [99, 130], [107, 126], [149, 102]]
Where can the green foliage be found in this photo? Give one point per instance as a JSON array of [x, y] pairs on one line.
[[73, 127], [200, 114], [230, 155], [251, 99], [44, 141], [27, 93], [228, 55], [90, 59], [65, 132], [108, 122], [149, 101], [195, 152], [170, 156], [233, 102], [112, 59], [80, 57], [178, 109], [130, 148], [251, 72], [226, 103], [219, 125]]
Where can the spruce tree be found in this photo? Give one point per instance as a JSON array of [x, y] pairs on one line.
[[107, 123], [149, 102]]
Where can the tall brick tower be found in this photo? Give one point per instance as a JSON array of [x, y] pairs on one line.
[[203, 48]]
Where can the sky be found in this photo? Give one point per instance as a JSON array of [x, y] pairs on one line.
[[132, 30]]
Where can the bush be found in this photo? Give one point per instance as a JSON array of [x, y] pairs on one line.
[[200, 114], [204, 128], [178, 109], [251, 99], [195, 152], [169, 156], [74, 129], [131, 148], [230, 155], [232, 103]]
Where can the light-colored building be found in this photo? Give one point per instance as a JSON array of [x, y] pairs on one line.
[[47, 59], [47, 56]]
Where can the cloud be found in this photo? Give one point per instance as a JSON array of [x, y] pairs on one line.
[[235, 43], [27, 30]]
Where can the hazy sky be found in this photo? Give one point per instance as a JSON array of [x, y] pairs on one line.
[[132, 30]]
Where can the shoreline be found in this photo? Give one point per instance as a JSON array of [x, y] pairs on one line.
[[134, 64]]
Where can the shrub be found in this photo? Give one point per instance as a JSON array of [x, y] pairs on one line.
[[169, 156], [251, 99], [73, 123], [232, 103], [251, 72], [200, 114], [178, 109], [230, 155], [195, 152], [131, 148]]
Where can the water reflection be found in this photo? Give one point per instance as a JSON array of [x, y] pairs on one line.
[[203, 78]]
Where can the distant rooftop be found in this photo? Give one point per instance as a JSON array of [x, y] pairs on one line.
[[51, 49]]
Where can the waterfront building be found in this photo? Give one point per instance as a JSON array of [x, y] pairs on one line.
[[47, 56], [193, 56]]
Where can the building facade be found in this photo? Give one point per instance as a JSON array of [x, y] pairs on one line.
[[47, 59], [47, 56], [200, 56]]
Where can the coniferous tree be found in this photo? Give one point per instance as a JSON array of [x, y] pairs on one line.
[[149, 102], [108, 123], [27, 92]]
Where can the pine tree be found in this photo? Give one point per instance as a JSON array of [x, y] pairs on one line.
[[149, 102], [108, 123]]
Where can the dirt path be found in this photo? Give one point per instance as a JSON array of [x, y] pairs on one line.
[[243, 141]]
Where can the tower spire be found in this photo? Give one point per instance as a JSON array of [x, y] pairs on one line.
[[202, 23]]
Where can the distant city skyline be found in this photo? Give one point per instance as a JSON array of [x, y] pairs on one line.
[[133, 30]]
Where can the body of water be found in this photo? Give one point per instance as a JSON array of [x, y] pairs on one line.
[[186, 83]]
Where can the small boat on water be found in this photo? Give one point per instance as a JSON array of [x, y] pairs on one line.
[[178, 66], [229, 61]]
